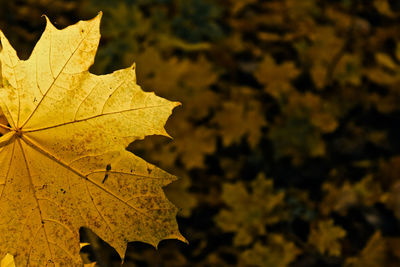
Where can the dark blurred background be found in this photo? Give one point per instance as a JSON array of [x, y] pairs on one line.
[[287, 143]]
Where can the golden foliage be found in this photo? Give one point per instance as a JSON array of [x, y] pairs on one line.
[[325, 237], [63, 158], [276, 78], [241, 117], [306, 92], [247, 216]]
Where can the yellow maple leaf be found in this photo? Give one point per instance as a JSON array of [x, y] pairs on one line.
[[326, 237], [247, 216], [276, 77], [236, 120], [63, 163]]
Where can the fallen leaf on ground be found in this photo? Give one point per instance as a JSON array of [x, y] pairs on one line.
[[325, 237]]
